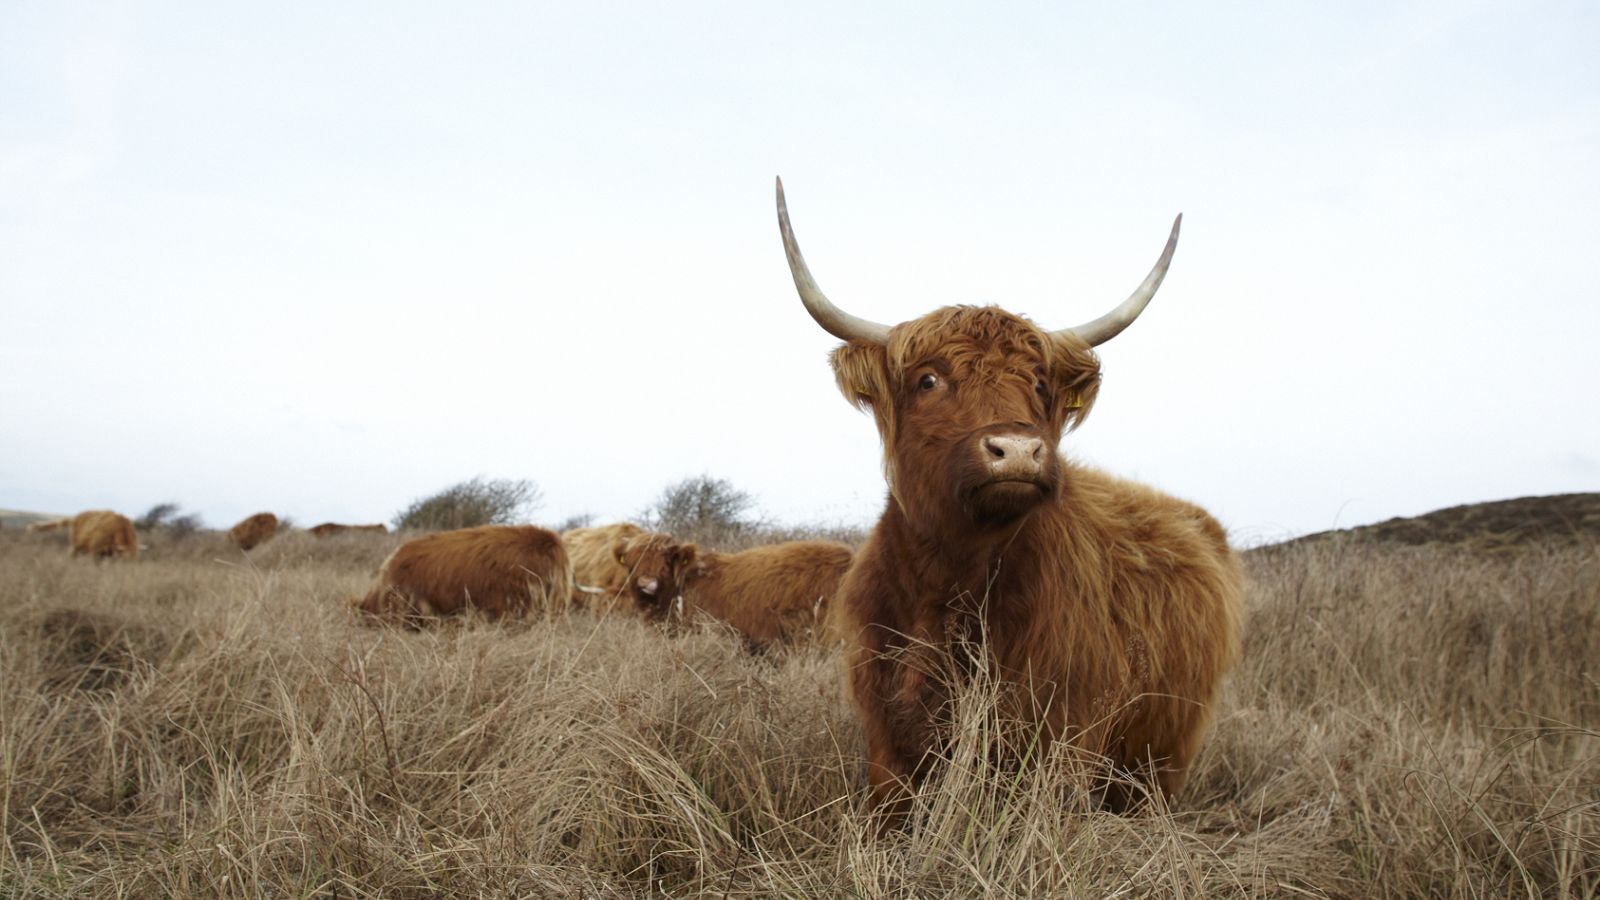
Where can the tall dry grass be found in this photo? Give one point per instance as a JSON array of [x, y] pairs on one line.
[[1406, 723]]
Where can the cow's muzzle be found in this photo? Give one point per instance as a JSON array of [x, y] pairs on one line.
[[1013, 458]]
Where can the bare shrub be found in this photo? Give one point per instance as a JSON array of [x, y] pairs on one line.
[[480, 501], [701, 507], [169, 520]]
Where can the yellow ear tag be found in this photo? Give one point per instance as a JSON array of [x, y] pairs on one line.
[[1075, 400]]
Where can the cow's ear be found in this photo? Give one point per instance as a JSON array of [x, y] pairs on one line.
[[862, 373], [687, 554], [1075, 379]]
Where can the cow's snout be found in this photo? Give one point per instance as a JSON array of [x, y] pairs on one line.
[[1014, 456], [649, 586]]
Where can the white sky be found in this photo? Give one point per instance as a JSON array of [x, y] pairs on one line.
[[325, 260]]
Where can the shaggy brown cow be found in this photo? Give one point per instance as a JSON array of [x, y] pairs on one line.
[[778, 593], [500, 570], [596, 565], [1112, 609], [255, 530], [101, 533], [328, 529]]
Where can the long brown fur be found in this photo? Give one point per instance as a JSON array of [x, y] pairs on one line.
[[102, 533], [500, 570], [595, 566], [774, 594], [329, 529], [1114, 608], [254, 530]]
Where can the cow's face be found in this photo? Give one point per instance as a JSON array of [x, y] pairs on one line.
[[657, 568], [124, 544], [970, 403]]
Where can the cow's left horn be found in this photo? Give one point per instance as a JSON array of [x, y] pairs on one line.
[[1111, 324], [833, 320]]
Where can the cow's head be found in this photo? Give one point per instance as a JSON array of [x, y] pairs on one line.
[[971, 402], [125, 543], [657, 568]]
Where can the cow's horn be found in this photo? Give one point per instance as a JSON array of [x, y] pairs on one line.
[[833, 320], [1111, 324]]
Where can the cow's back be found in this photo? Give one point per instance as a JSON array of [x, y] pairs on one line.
[[101, 532], [777, 592], [501, 570], [254, 530]]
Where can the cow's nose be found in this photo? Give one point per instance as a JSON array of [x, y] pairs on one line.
[[1013, 448], [649, 585]]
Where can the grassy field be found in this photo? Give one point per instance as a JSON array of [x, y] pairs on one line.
[[1408, 721]]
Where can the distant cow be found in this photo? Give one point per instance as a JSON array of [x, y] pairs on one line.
[[328, 529], [596, 561], [1113, 609], [255, 530], [52, 525], [101, 533], [500, 570], [778, 593]]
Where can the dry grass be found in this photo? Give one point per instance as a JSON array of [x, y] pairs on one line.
[[1408, 722]]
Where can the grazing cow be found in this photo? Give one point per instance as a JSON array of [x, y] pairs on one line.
[[329, 529], [500, 570], [101, 533], [256, 529], [1111, 611], [596, 562], [777, 593]]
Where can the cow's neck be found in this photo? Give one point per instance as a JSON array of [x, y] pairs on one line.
[[956, 569], [696, 580]]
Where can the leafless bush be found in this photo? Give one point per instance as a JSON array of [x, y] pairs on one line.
[[168, 519], [581, 520], [480, 501], [700, 507]]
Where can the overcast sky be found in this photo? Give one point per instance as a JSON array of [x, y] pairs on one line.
[[321, 259]]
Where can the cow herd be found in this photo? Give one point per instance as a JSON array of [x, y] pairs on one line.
[[104, 534], [776, 594], [1110, 612]]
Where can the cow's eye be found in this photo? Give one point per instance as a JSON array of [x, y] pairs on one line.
[[1039, 388], [928, 382]]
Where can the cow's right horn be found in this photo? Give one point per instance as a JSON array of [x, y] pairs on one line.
[[1111, 324], [833, 320]]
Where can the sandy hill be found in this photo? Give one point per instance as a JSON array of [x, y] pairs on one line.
[[1493, 525], [11, 519]]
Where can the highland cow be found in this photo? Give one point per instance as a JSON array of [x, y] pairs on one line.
[[102, 533], [253, 531], [1109, 611], [774, 594], [502, 571], [49, 526], [596, 565]]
